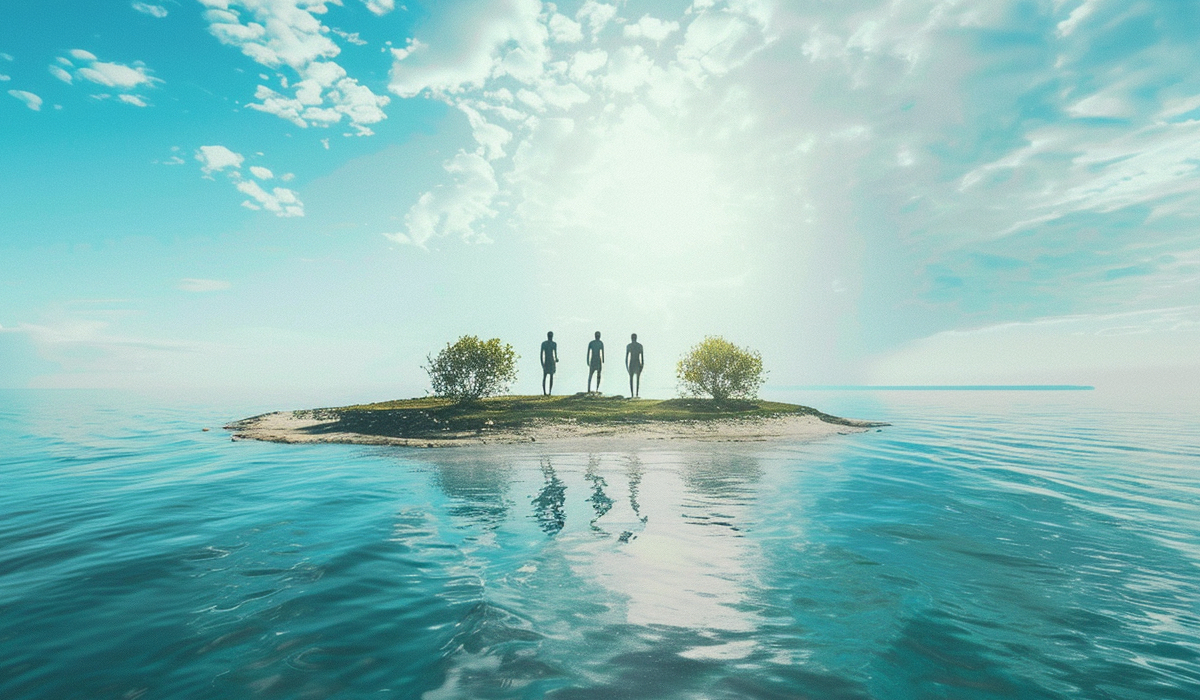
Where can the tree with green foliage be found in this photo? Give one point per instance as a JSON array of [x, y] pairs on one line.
[[471, 368], [720, 369]]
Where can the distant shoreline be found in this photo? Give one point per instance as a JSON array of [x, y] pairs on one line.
[[938, 387], [587, 418]]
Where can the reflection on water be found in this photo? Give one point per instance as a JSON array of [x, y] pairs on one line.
[[634, 472], [477, 493], [1040, 550], [600, 501], [548, 506]]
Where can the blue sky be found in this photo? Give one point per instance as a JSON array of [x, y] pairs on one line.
[[295, 194]]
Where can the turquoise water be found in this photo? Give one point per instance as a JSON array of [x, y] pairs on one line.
[[984, 546]]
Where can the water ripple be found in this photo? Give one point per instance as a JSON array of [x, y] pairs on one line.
[[993, 547]]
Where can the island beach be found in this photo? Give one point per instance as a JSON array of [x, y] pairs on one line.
[[431, 422]]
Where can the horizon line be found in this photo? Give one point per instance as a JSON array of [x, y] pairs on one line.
[[937, 387]]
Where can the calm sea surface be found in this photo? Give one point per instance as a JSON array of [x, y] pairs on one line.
[[987, 545]]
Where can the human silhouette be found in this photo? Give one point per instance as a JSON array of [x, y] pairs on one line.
[[595, 359], [549, 357], [634, 360]]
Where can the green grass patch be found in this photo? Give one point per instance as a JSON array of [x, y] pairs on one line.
[[433, 417]]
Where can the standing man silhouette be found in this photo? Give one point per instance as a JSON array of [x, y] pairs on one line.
[[595, 359], [549, 357], [634, 361]]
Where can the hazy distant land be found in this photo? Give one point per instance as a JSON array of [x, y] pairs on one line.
[[434, 422]]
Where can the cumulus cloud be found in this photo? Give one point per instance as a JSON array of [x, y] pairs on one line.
[[31, 100], [280, 201], [380, 7], [127, 80], [217, 158], [563, 29], [286, 34], [476, 41], [190, 284], [153, 10], [651, 28], [596, 15], [453, 210], [512, 68]]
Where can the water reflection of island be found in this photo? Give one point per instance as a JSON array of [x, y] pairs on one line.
[[479, 492]]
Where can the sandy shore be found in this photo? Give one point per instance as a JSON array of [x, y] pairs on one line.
[[288, 427]]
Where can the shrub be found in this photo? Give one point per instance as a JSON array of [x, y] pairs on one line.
[[471, 368], [720, 369]]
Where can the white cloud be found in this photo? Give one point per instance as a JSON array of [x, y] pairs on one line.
[[287, 33], [453, 210], [585, 63], [380, 7], [1080, 13], [4, 78], [61, 74], [476, 41], [217, 158], [490, 137], [651, 28], [115, 75], [153, 10], [127, 79], [132, 100], [280, 200], [31, 100], [190, 284], [350, 37], [510, 60], [6, 56], [564, 30], [596, 14]]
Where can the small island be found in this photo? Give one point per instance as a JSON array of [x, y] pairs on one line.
[[440, 422]]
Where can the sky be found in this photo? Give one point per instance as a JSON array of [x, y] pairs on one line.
[[310, 196]]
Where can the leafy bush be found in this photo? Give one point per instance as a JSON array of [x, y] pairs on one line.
[[720, 369], [471, 368]]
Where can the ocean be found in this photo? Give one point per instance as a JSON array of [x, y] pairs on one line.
[[985, 545]]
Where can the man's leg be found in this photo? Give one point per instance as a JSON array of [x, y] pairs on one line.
[[551, 385]]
